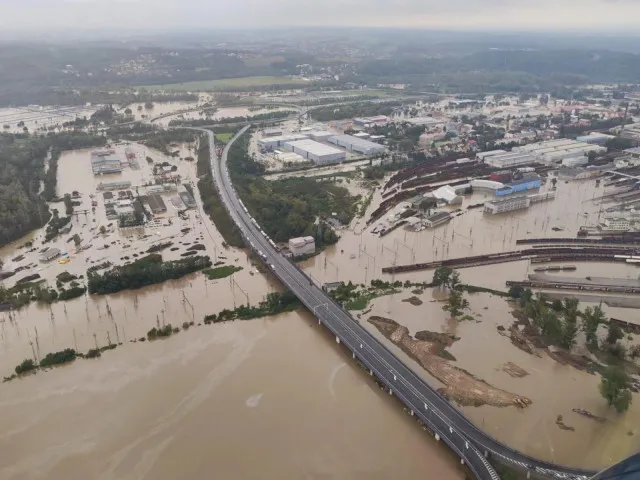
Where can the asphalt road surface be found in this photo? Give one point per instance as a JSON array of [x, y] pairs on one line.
[[442, 418]]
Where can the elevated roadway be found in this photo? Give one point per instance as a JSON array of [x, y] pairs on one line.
[[448, 424]]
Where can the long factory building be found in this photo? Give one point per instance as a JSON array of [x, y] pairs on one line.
[[321, 153], [318, 152], [355, 144], [565, 151]]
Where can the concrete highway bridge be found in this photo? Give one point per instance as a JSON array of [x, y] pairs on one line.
[[473, 446]]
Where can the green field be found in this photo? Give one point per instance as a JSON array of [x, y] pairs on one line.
[[221, 272], [227, 84], [224, 137]]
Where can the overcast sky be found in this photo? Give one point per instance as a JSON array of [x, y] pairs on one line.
[[455, 14]]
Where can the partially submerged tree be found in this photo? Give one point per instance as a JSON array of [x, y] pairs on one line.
[[614, 387]]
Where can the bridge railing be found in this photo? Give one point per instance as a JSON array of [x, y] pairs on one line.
[[530, 463]]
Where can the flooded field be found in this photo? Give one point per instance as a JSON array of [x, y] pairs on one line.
[[361, 255], [553, 388], [212, 114], [267, 398], [35, 117], [203, 400]]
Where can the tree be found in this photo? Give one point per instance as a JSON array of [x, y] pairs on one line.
[[614, 387], [592, 317], [557, 305], [128, 112], [442, 276], [569, 332], [516, 291], [554, 181], [592, 156], [571, 311], [77, 240], [615, 333], [103, 229], [456, 304]]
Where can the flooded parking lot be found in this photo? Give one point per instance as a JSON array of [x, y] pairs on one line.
[[203, 400]]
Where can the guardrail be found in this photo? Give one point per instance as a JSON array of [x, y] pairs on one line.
[[518, 459]]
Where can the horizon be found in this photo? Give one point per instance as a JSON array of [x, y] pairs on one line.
[[612, 17]]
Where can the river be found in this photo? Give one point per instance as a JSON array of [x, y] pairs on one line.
[[267, 398]]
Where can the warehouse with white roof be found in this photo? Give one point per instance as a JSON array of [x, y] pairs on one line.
[[318, 152], [355, 144], [279, 141]]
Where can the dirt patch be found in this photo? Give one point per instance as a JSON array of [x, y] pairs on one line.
[[417, 291], [415, 301], [514, 370], [589, 415], [461, 386], [564, 426], [579, 362], [444, 339]]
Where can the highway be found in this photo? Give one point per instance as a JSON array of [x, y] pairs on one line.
[[445, 421]]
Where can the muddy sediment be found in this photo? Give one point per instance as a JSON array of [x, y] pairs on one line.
[[514, 370], [415, 301], [460, 385]]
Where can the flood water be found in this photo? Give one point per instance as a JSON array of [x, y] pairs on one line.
[[555, 389], [267, 398], [261, 399]]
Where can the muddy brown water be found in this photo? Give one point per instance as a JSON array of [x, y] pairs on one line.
[[555, 389], [267, 398], [270, 398]]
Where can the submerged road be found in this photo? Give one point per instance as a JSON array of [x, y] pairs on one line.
[[446, 422]]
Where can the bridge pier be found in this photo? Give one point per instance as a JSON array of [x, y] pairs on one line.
[[337, 339], [412, 413], [462, 461], [370, 372], [353, 354], [390, 392], [437, 437]]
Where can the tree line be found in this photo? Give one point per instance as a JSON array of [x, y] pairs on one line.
[[144, 271]]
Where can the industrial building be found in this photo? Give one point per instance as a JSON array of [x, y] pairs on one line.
[[632, 132], [321, 135], [447, 194], [480, 184], [187, 199], [50, 254], [156, 204], [354, 144], [114, 185], [424, 121], [287, 157], [483, 155], [555, 151], [279, 141], [272, 132], [437, 219], [502, 159], [318, 152], [105, 162], [376, 120], [507, 205], [302, 246], [529, 182], [595, 137], [618, 224]]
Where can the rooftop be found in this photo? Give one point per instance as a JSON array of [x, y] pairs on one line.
[[314, 147]]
